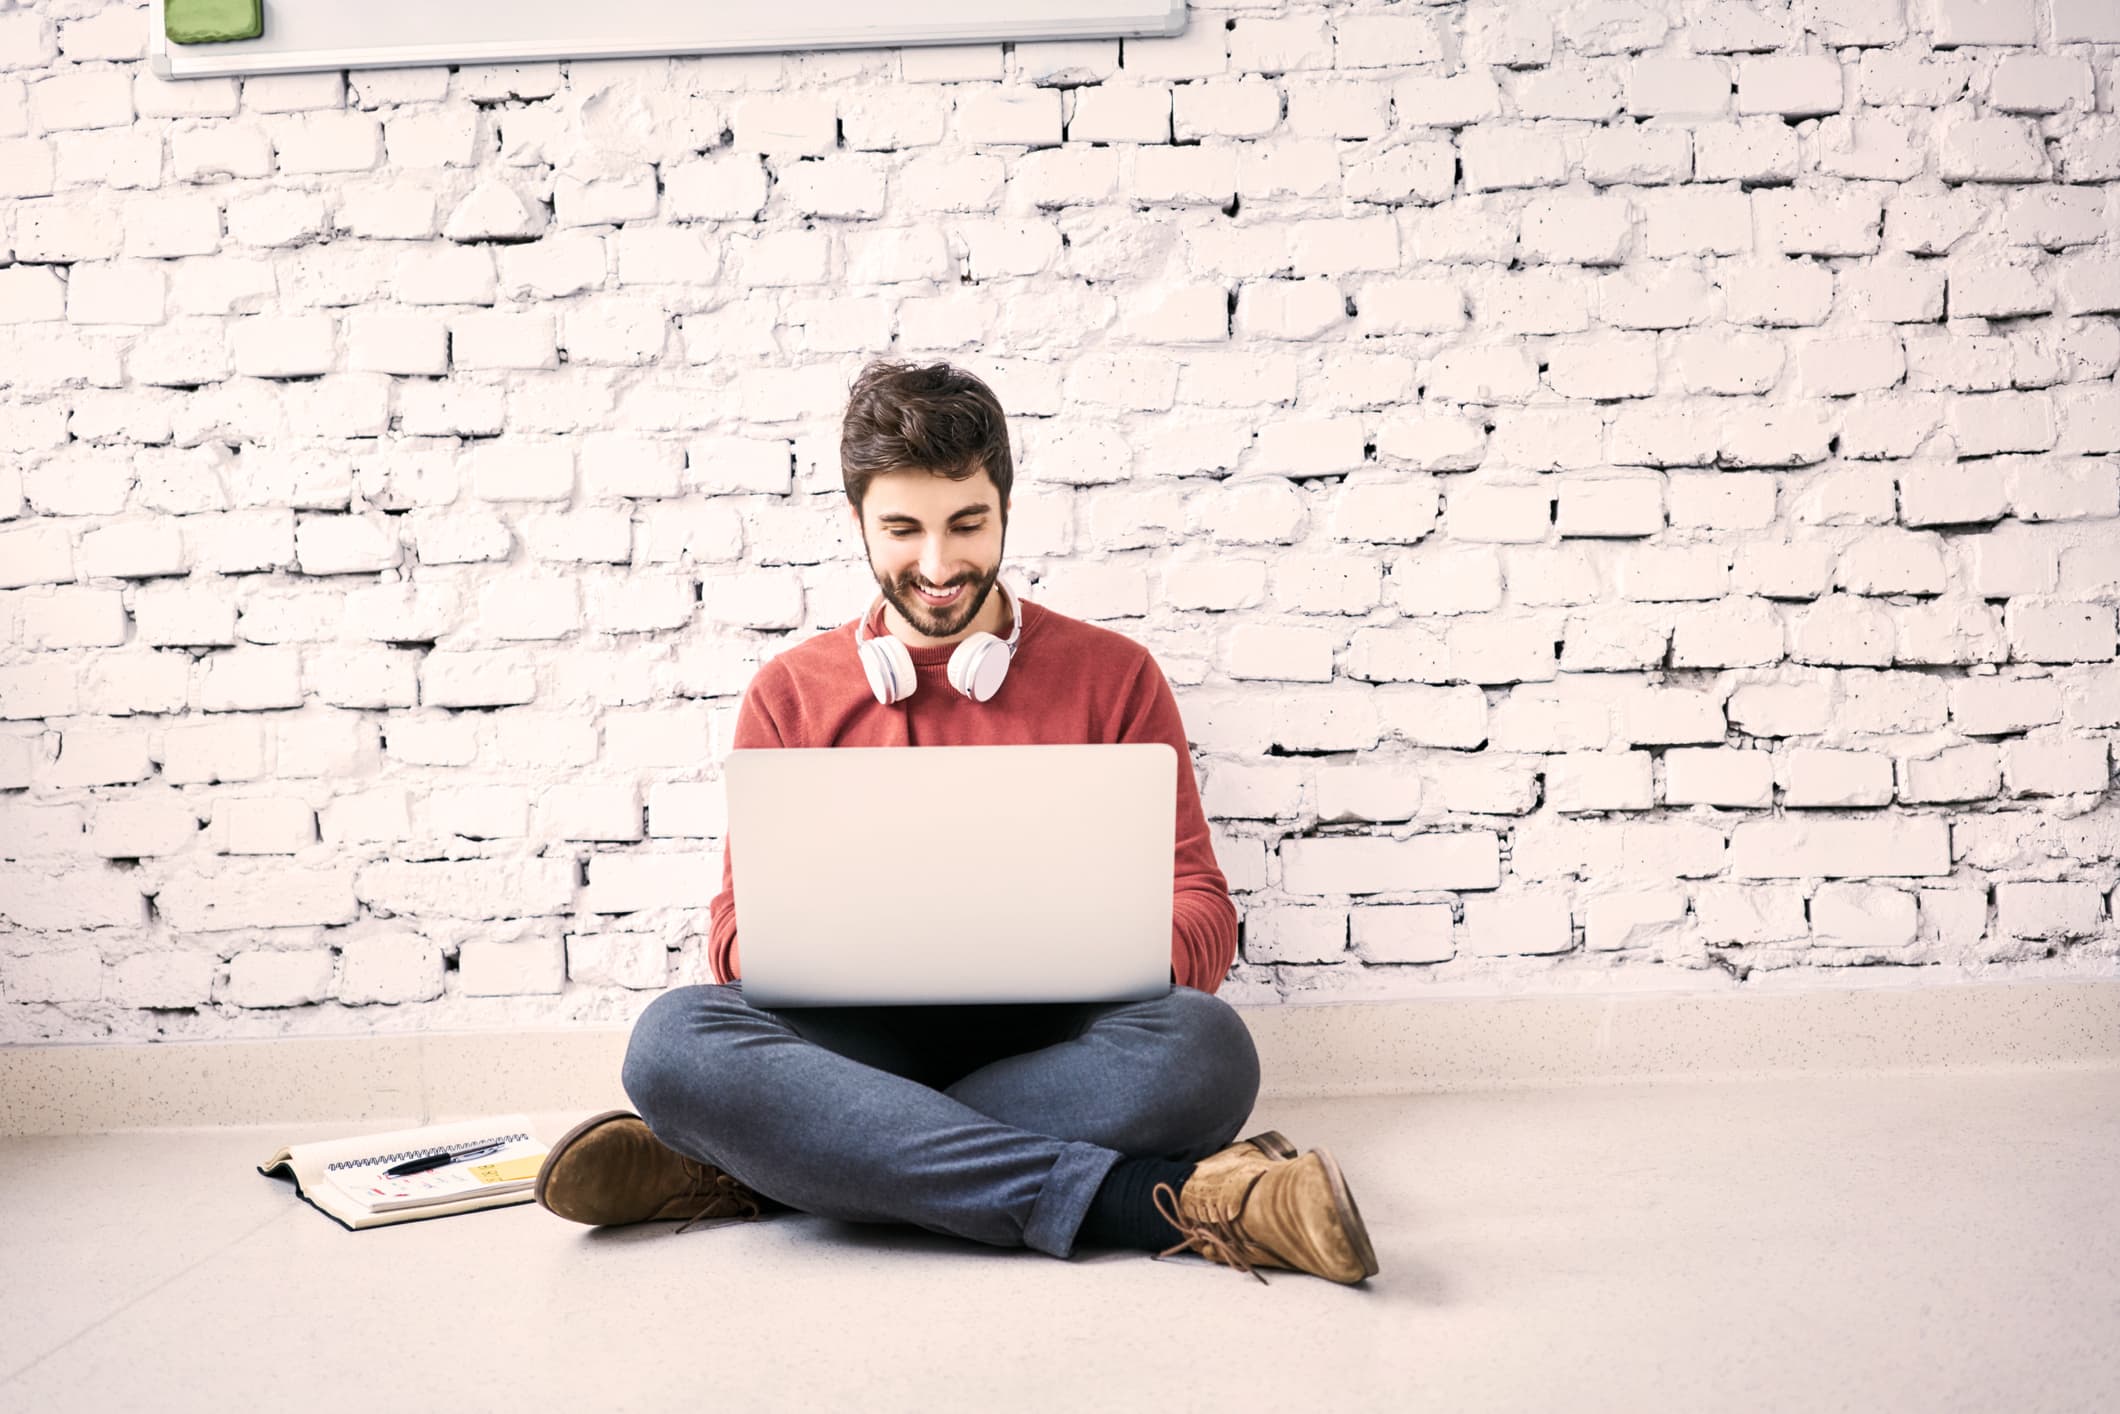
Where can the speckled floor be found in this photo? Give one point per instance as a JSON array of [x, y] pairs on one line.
[[1939, 1241]]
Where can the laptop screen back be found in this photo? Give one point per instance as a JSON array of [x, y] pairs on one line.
[[882, 875]]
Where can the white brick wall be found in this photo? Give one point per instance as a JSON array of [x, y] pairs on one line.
[[1621, 490]]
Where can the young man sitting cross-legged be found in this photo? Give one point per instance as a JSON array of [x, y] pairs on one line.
[[1049, 1126]]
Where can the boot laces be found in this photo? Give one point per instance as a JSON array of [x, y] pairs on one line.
[[1216, 1239], [712, 1187]]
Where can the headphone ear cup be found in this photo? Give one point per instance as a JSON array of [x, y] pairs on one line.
[[978, 666], [890, 669]]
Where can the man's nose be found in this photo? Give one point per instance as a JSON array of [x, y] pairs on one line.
[[931, 562]]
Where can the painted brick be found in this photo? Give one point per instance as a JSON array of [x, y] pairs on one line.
[[1530, 921], [1367, 865], [1402, 933], [1909, 845]]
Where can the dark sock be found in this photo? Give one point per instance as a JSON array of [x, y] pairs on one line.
[[1123, 1214]]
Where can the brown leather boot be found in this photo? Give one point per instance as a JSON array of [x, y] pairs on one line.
[[1297, 1215], [1268, 1147], [611, 1169]]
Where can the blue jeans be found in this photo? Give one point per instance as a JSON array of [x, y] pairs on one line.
[[995, 1123]]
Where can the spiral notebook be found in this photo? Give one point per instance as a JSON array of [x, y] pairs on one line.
[[344, 1179]]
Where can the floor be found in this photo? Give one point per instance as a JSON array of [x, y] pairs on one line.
[[1939, 1241]]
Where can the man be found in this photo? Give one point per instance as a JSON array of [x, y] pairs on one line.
[[1046, 1126]]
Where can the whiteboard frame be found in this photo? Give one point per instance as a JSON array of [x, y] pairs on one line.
[[339, 34]]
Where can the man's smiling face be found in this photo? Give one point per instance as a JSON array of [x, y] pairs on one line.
[[935, 547]]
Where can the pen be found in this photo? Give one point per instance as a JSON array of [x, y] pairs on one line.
[[435, 1161]]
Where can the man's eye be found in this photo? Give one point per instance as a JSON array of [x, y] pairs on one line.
[[900, 534], [974, 528]]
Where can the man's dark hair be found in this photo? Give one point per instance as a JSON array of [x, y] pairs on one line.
[[938, 418]]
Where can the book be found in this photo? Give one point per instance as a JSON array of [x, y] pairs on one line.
[[344, 1179], [212, 21]]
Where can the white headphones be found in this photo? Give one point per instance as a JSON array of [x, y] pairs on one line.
[[976, 668]]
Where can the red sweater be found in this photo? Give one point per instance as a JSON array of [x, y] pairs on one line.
[[1069, 682]]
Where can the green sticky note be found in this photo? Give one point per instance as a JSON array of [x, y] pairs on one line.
[[212, 21]]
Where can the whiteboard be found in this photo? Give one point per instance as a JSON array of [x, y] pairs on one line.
[[376, 34]]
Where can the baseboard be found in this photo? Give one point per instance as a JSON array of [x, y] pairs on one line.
[[1438, 1044]]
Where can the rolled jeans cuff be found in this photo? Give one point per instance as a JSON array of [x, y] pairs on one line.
[[1064, 1201]]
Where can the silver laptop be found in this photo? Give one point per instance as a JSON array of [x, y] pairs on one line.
[[900, 875]]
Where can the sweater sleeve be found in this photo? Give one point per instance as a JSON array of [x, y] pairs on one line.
[[755, 728], [1203, 925]]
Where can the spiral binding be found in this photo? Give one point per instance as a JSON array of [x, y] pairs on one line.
[[422, 1153]]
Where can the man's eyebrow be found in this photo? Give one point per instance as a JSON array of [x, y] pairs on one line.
[[900, 517]]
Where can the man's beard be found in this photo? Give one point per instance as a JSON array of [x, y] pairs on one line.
[[949, 620]]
